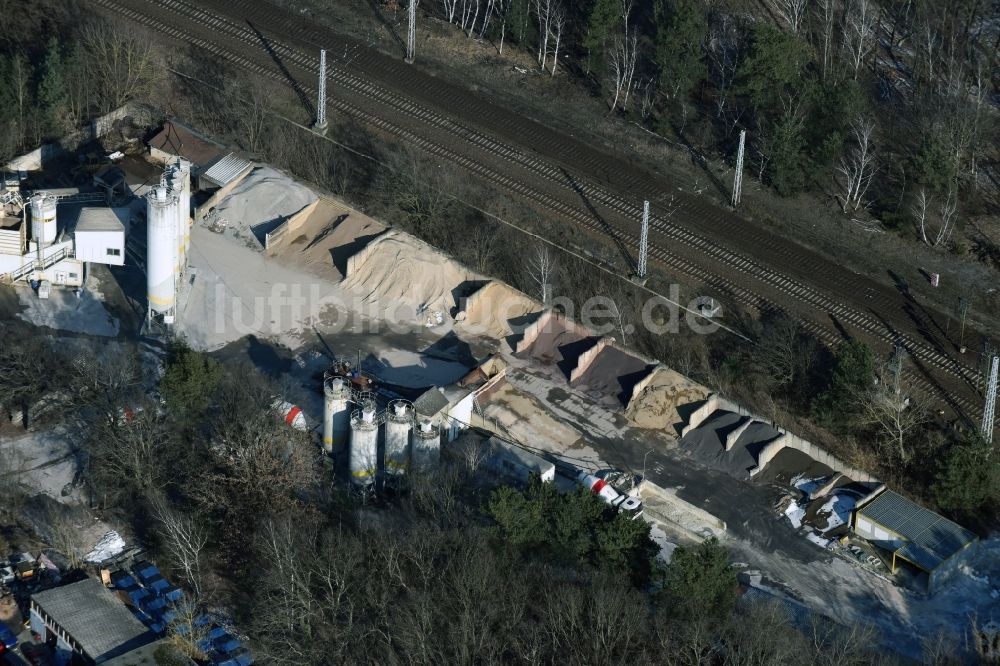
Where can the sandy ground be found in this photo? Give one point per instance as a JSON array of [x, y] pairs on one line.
[[405, 280], [64, 311], [262, 201], [331, 234], [238, 291], [657, 405]]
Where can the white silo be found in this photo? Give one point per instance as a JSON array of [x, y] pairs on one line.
[[43, 219], [363, 462], [426, 446], [161, 249], [179, 176], [398, 424], [336, 413], [185, 202]]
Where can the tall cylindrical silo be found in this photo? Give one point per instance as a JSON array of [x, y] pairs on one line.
[[426, 446], [398, 424], [336, 413], [43, 219], [363, 463], [184, 167], [161, 249]]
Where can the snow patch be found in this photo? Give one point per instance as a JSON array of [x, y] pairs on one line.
[[818, 540], [795, 514], [111, 544]]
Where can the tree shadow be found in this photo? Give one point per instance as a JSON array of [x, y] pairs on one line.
[[699, 161], [307, 103], [608, 229], [388, 26]]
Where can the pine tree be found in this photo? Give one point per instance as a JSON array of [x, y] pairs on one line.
[[52, 93]]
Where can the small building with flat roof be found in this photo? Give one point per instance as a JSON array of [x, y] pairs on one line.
[[913, 535], [86, 621]]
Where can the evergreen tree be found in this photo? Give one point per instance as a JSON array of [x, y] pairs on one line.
[[681, 30], [52, 90], [969, 479], [603, 22]]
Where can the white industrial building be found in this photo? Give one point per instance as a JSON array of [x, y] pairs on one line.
[[49, 239]]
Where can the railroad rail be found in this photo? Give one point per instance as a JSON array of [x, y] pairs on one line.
[[666, 232]]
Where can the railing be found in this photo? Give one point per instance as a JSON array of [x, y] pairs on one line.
[[36, 264]]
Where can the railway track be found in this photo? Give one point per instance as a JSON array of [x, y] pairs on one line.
[[666, 233]]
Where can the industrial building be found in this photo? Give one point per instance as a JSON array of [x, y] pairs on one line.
[[913, 535], [513, 462], [86, 622], [48, 238]]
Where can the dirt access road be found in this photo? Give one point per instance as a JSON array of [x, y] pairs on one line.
[[600, 191]]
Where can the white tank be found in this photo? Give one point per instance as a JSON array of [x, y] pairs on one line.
[[363, 463], [185, 202], [161, 249], [426, 446], [177, 177], [43, 219], [398, 424], [336, 413]]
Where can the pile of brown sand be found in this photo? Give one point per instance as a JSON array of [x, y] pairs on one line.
[[656, 405], [407, 280], [498, 310], [331, 234]]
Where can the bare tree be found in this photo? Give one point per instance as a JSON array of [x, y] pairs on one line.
[[541, 267], [621, 68], [947, 217], [859, 31], [450, 6], [185, 538], [558, 23], [858, 166], [791, 11], [895, 407], [186, 632], [827, 16], [121, 62]]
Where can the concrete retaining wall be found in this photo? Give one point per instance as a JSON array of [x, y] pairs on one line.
[[643, 383], [786, 439], [817, 453], [699, 415], [586, 359], [669, 496], [533, 330], [358, 259], [289, 225], [734, 436], [97, 128]]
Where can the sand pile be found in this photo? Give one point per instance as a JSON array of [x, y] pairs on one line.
[[405, 279], [656, 405], [498, 310], [262, 201], [327, 238]]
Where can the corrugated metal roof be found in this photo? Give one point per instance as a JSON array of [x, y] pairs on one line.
[[932, 538], [94, 618], [98, 219], [226, 169]]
